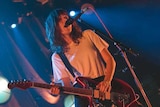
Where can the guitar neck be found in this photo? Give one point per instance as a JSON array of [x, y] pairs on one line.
[[66, 90]]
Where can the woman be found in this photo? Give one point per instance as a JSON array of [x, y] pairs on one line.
[[86, 51]]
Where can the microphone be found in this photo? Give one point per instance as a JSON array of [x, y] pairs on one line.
[[71, 20]]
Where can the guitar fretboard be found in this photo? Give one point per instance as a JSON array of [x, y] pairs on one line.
[[67, 90], [41, 85]]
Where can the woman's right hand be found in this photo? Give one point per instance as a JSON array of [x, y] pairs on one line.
[[55, 89]]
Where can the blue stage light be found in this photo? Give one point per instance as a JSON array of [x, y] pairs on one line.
[[72, 13], [13, 26]]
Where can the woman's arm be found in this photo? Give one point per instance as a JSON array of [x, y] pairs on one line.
[[105, 85], [110, 64]]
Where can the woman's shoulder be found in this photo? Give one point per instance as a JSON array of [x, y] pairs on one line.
[[87, 31], [55, 56]]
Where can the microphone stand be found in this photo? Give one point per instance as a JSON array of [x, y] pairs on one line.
[[123, 52]]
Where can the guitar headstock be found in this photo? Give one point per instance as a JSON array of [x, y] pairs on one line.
[[22, 84]]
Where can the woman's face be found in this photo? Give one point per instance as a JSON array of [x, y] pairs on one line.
[[64, 30]]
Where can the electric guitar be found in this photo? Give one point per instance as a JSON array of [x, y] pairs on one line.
[[121, 95]]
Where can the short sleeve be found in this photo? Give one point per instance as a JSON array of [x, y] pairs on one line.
[[96, 39], [59, 69]]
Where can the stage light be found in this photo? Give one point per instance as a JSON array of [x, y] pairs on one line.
[[5, 93], [13, 25], [72, 13]]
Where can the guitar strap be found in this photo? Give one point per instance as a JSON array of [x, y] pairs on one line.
[[66, 62]]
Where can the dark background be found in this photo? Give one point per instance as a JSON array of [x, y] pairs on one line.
[[133, 23]]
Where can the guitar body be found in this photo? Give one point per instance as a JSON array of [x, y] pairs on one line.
[[122, 87], [126, 96]]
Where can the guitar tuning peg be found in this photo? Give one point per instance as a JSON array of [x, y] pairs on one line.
[[11, 81], [24, 80]]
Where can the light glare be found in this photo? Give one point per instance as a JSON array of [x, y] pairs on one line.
[[72, 13], [13, 25], [5, 93]]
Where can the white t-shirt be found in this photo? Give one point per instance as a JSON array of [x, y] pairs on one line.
[[84, 57]]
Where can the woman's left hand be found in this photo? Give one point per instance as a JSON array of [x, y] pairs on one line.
[[103, 87]]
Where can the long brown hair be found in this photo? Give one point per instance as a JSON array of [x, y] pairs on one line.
[[53, 32]]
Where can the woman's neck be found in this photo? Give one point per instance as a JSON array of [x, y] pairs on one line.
[[68, 39]]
